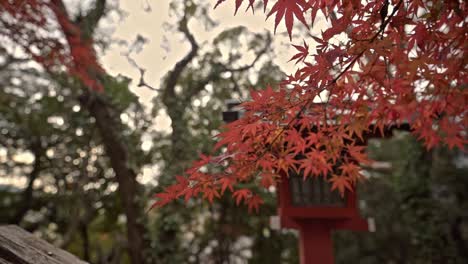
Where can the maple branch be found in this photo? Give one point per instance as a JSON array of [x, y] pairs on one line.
[[384, 23], [354, 60], [358, 56], [333, 81], [418, 56]]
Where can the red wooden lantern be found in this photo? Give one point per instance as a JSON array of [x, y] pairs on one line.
[[301, 199], [310, 206]]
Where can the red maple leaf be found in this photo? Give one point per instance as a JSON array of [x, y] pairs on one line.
[[254, 203], [351, 171], [226, 182], [341, 183], [242, 194], [162, 199], [289, 9], [210, 194], [302, 54]]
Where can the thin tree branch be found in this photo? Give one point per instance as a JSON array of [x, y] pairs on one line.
[[141, 82], [173, 77], [215, 74], [248, 66]]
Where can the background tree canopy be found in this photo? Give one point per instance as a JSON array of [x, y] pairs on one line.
[[72, 161]]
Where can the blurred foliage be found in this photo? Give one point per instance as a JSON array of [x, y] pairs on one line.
[[420, 207], [49, 142]]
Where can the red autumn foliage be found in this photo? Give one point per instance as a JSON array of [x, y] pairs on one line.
[[29, 25], [394, 62], [379, 63]]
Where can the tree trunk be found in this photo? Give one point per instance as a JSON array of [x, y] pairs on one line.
[[85, 238], [126, 178], [27, 195]]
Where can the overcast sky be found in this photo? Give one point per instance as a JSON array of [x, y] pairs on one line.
[[158, 60]]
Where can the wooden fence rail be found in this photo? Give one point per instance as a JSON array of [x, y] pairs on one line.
[[17, 246]]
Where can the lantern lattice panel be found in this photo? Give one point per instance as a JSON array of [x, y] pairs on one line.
[[313, 191]]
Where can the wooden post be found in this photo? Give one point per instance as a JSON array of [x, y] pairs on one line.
[[316, 245]]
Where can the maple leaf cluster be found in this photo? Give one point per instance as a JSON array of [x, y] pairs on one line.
[[397, 62]]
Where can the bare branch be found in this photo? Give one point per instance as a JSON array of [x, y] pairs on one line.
[[141, 82], [248, 66], [171, 81]]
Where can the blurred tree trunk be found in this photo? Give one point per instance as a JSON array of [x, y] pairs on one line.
[[109, 127], [27, 195], [85, 238], [128, 186]]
